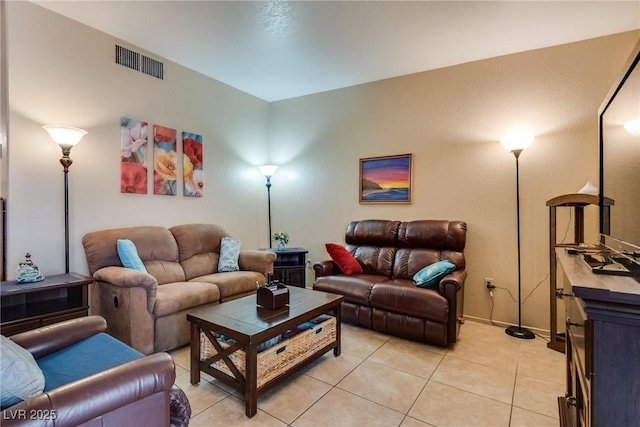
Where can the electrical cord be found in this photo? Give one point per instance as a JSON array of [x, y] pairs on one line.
[[566, 232], [491, 312]]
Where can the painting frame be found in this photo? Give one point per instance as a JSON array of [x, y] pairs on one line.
[[386, 179]]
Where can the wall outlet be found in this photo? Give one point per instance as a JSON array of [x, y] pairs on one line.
[[308, 263], [488, 283]]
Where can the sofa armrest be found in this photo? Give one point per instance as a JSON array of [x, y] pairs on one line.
[[455, 278], [326, 268], [49, 339], [97, 395], [259, 261], [129, 278]]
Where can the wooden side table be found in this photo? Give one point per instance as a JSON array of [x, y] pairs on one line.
[[26, 306], [290, 266]]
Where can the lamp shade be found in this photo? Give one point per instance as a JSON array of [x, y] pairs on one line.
[[65, 135], [268, 170], [517, 141], [633, 127]]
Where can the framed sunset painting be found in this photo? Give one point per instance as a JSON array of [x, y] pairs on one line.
[[386, 179]]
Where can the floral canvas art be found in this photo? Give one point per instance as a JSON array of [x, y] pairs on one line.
[[165, 167], [192, 164], [133, 159]]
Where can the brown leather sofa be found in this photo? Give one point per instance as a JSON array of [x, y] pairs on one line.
[[136, 393], [148, 310], [383, 297]]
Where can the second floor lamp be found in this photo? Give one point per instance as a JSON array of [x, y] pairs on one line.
[[268, 171], [516, 143]]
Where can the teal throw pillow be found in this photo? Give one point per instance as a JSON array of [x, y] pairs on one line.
[[22, 379], [128, 254], [431, 274], [229, 253]]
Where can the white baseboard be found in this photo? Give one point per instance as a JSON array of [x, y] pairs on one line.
[[542, 332]]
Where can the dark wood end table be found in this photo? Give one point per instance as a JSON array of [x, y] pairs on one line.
[[27, 306]]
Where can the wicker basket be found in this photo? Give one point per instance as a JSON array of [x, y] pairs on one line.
[[279, 358]]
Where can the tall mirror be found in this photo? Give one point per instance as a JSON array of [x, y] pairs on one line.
[[620, 161]]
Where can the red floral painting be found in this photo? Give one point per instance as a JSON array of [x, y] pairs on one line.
[[133, 161], [192, 164], [165, 167]]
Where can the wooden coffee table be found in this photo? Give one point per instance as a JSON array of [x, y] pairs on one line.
[[250, 325]]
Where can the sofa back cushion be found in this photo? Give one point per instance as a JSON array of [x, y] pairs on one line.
[[373, 243], [198, 248], [424, 242], [156, 247]]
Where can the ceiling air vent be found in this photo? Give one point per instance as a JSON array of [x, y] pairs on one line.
[[136, 61]]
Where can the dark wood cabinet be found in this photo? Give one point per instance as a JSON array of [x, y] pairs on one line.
[[290, 266], [602, 347], [26, 306]]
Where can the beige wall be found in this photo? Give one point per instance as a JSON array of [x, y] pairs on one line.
[[61, 72], [452, 120]]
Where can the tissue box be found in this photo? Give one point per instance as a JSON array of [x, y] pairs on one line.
[[273, 297]]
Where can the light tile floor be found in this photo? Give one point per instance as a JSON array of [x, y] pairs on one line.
[[486, 379]]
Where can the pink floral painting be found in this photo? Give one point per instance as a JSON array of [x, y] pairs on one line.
[[165, 167], [192, 164], [133, 159]]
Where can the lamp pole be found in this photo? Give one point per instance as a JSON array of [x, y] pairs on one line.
[[66, 137], [66, 161], [268, 171], [519, 331], [269, 208]]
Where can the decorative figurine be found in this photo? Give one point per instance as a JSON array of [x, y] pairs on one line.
[[28, 272]]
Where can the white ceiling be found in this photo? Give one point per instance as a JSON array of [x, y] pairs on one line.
[[283, 49]]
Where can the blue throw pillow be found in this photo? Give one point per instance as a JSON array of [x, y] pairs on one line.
[[229, 253], [431, 274], [129, 255]]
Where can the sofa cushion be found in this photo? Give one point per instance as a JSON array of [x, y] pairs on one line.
[[152, 242], [233, 283], [22, 379], [199, 248], [408, 261], [229, 252], [177, 296], [85, 358], [343, 259], [402, 296], [372, 232], [377, 261], [129, 255], [431, 274], [355, 288]]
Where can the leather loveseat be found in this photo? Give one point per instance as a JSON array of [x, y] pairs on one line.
[[139, 392], [148, 310], [383, 297]]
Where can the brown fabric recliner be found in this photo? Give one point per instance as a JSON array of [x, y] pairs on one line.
[[148, 310], [135, 393], [384, 297]]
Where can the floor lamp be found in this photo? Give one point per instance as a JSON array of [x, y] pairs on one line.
[[516, 143], [66, 137], [268, 171]]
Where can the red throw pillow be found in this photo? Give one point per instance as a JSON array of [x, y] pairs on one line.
[[341, 256]]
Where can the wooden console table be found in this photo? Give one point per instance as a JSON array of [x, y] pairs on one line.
[[26, 306], [603, 354]]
